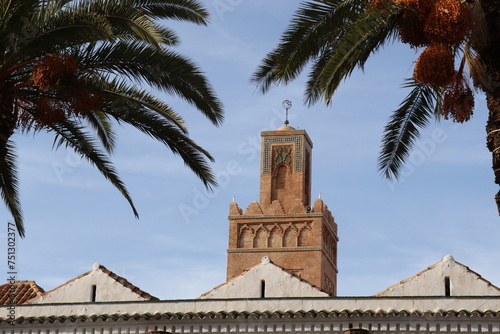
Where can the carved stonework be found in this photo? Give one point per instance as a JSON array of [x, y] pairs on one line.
[[328, 285], [330, 246], [234, 209], [260, 239], [282, 155], [253, 209], [297, 207], [275, 209], [297, 234], [275, 237], [245, 237], [305, 236], [290, 237], [297, 143]]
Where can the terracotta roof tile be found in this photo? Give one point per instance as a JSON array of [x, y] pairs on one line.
[[23, 292], [127, 284], [211, 316]]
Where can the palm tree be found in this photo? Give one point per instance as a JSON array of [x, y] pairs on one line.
[[74, 67], [460, 37]]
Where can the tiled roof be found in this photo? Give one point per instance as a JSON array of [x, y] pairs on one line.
[[232, 279], [127, 284], [478, 276], [23, 292], [123, 281], [255, 315]]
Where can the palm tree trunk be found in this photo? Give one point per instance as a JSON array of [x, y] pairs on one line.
[[490, 55], [493, 136]]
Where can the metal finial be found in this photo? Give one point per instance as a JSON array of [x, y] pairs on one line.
[[287, 104]]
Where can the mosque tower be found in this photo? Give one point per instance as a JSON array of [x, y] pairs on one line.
[[284, 226]]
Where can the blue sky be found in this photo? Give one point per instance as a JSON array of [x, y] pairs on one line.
[[442, 205]]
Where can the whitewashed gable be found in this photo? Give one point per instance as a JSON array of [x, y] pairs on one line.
[[98, 285], [445, 278], [264, 280]]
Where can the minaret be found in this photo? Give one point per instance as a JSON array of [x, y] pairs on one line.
[[300, 238]]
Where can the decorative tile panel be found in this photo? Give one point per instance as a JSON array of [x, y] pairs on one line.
[[266, 161]]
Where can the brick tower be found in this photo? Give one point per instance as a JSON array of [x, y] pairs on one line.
[[300, 238]]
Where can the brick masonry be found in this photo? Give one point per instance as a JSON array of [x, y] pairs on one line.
[[284, 226]]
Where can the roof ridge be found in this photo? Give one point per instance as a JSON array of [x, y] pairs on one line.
[[24, 292], [479, 276], [231, 279], [409, 278], [123, 281], [268, 260], [67, 282], [446, 258]]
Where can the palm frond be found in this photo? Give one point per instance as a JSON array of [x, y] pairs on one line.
[[150, 123], [359, 41], [316, 24], [162, 69], [63, 32], [70, 134], [477, 70], [140, 28], [9, 186], [101, 124], [401, 132], [151, 116], [182, 10], [45, 12], [479, 36], [12, 12], [127, 20], [123, 97], [118, 46], [170, 37]]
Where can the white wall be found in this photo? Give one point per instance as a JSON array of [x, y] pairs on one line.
[[265, 278], [431, 282], [80, 289]]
